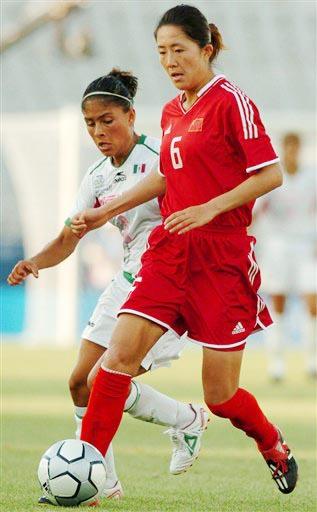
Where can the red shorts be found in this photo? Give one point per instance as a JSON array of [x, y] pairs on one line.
[[204, 282]]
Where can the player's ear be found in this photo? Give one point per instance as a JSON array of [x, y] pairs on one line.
[[132, 116], [208, 50]]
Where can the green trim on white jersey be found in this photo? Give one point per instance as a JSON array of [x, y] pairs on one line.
[[142, 141], [103, 182], [98, 164]]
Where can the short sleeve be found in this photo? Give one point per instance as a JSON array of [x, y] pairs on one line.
[[85, 196], [245, 127], [159, 169]]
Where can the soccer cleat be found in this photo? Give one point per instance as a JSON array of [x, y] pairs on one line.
[[43, 500], [282, 465], [113, 493], [187, 441]]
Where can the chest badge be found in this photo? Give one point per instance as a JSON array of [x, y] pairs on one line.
[[196, 125]]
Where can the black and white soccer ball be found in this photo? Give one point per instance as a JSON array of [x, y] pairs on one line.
[[72, 473]]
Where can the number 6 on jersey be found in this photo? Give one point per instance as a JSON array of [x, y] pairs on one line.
[[176, 154]]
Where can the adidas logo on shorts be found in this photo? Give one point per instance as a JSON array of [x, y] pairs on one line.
[[238, 328]]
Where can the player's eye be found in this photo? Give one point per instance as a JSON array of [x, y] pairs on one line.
[[179, 50], [107, 121], [90, 123]]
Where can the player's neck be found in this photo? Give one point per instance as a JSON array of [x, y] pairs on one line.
[[120, 158], [192, 95]]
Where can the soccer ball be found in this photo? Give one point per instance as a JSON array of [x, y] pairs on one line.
[[72, 473]]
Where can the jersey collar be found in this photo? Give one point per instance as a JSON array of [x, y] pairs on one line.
[[201, 92], [210, 84]]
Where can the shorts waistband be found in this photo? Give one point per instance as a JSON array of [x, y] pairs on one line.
[[235, 230]]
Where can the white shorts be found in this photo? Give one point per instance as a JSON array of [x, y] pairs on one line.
[[288, 267], [103, 320]]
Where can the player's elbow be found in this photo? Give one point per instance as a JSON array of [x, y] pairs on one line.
[[278, 177], [274, 176]]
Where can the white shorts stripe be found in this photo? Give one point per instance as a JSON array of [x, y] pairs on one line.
[[254, 268], [219, 347]]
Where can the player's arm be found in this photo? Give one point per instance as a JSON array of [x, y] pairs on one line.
[[150, 187], [52, 254], [263, 181]]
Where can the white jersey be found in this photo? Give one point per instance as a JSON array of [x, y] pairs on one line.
[[290, 211], [103, 182]]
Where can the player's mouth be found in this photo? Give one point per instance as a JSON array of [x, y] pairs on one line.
[[104, 146], [176, 77]]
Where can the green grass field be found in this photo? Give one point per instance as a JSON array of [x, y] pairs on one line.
[[229, 476]]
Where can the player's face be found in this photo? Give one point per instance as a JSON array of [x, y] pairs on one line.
[[110, 127], [184, 61]]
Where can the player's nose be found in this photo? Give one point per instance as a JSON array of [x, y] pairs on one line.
[[99, 129], [170, 60]]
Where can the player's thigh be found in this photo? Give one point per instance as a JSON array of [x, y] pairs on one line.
[[220, 374], [131, 340], [89, 354]]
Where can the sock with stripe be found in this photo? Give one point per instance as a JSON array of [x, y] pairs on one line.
[[105, 408], [244, 413], [147, 404]]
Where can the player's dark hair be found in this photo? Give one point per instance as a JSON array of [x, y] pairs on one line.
[[115, 82], [194, 25]]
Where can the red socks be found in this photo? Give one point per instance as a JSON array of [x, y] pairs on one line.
[[105, 408], [244, 413]]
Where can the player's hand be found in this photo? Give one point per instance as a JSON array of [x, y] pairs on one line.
[[20, 272], [190, 218], [89, 219]]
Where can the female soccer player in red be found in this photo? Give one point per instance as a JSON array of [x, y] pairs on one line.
[[199, 273]]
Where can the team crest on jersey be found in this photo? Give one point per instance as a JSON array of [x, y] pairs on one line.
[[196, 125], [99, 181], [120, 176]]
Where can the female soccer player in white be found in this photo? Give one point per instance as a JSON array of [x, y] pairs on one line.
[[199, 273], [289, 256], [108, 111]]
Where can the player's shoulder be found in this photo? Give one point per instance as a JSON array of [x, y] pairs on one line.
[[149, 144], [172, 104], [96, 165], [232, 94]]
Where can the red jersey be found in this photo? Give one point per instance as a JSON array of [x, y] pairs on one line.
[[211, 148]]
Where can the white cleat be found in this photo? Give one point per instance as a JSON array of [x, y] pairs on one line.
[[113, 493], [187, 441]]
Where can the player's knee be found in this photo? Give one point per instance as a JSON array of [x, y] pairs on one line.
[[218, 393], [77, 383], [121, 361], [91, 379]]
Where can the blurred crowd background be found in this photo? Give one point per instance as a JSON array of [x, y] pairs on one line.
[[51, 50]]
